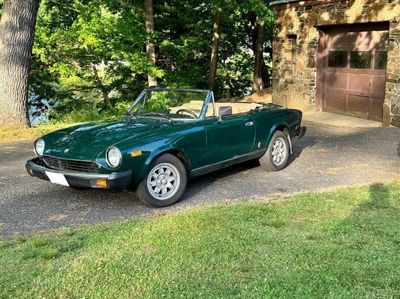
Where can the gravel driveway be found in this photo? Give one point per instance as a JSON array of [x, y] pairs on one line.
[[328, 156]]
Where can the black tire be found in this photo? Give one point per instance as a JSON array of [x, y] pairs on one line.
[[267, 160], [146, 196]]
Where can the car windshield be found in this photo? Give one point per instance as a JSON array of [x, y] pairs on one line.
[[169, 103]]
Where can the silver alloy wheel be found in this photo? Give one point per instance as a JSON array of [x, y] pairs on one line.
[[163, 181], [279, 151]]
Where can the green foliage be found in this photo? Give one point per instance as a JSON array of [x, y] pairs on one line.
[[184, 37], [158, 101], [78, 111], [88, 34], [88, 50], [339, 244]]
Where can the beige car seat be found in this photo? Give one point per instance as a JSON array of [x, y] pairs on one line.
[[196, 106]]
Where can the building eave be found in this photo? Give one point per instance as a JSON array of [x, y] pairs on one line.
[[300, 2], [279, 2]]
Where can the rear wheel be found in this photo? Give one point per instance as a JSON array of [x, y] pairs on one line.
[[277, 154], [165, 183]]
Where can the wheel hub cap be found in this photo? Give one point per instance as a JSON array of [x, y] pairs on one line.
[[279, 151], [163, 181]]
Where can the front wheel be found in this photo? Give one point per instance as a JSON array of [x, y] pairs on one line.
[[277, 154], [165, 183]]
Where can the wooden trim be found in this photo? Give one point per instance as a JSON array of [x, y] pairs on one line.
[[286, 4], [320, 70], [355, 27]]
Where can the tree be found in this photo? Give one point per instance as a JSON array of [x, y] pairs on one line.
[[258, 82], [88, 55], [150, 47], [17, 28], [261, 17], [91, 55], [101, 87], [214, 49]]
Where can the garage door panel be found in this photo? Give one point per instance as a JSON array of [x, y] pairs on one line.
[[339, 40], [335, 101], [336, 80], [378, 84], [367, 40], [377, 108], [354, 71], [359, 83], [358, 104]]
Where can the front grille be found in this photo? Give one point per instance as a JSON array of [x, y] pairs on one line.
[[74, 165]]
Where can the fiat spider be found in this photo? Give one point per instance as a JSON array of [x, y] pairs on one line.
[[167, 137]]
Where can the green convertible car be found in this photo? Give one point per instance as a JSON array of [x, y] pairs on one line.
[[166, 137]]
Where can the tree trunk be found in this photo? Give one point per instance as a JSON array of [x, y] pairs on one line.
[[17, 29], [101, 87], [150, 48], [258, 83], [266, 70], [214, 50]]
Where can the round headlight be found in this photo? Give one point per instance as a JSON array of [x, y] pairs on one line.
[[113, 156], [39, 147]]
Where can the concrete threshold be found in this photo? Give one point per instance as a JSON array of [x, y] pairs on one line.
[[339, 120]]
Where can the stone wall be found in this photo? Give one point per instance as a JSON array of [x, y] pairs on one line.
[[294, 83], [392, 97]]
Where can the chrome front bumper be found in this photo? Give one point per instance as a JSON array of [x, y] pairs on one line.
[[115, 180]]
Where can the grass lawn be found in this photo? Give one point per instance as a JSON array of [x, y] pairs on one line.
[[340, 244], [19, 134]]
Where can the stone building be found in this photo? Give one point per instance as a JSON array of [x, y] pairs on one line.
[[338, 56]]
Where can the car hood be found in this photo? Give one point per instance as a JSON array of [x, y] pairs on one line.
[[87, 141]]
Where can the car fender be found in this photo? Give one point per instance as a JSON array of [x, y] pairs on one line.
[[276, 127], [163, 149], [273, 129]]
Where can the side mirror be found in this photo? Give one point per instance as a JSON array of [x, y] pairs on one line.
[[224, 111]]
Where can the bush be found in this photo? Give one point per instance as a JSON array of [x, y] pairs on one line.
[[83, 112]]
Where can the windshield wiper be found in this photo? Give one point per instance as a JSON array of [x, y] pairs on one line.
[[156, 114]]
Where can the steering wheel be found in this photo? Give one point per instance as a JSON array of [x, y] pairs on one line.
[[190, 112]]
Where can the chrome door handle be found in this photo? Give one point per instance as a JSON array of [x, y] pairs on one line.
[[249, 124]]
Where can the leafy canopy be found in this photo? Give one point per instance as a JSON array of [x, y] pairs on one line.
[[89, 50]]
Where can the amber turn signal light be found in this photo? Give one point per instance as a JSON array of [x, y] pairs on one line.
[[102, 183], [136, 153]]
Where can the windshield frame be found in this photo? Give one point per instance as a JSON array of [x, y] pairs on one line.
[[209, 96]]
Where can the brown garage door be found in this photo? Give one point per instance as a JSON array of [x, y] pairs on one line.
[[354, 70]]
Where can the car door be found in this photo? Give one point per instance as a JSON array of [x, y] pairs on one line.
[[229, 137]]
